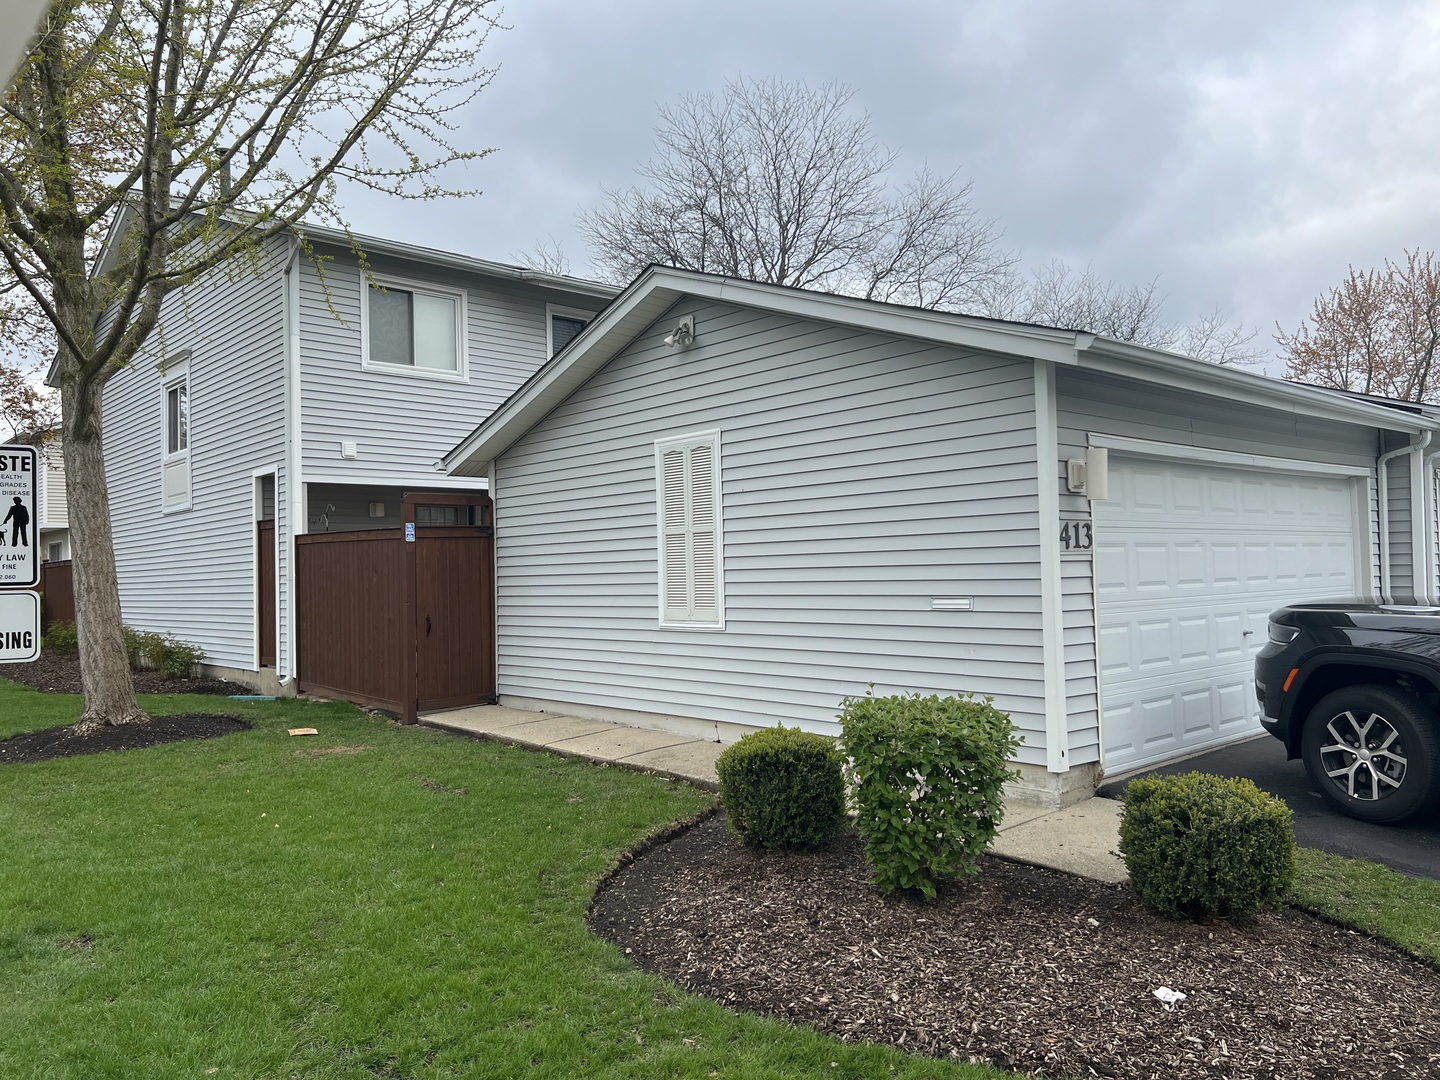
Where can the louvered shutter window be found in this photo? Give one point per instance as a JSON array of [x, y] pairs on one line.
[[690, 550]]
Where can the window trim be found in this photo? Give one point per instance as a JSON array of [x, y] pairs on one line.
[[462, 338], [172, 375], [551, 310], [712, 438]]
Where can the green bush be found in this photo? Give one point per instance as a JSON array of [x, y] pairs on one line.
[[60, 636], [165, 653], [177, 659], [1202, 846], [782, 788], [928, 776]]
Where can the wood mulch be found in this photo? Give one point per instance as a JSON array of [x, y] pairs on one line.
[[65, 742], [58, 672], [1026, 968]]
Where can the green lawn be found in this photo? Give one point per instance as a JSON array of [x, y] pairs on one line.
[[254, 906]]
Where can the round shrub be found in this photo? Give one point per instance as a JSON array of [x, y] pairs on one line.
[[1203, 846], [782, 788], [929, 778]]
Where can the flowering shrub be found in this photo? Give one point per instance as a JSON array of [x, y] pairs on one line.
[[928, 775]]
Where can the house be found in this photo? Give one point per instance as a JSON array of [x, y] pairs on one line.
[[53, 528], [729, 504], [294, 393]]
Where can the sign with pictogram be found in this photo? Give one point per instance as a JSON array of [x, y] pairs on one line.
[[19, 517], [19, 626]]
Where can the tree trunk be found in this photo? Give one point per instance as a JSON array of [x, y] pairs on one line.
[[104, 665]]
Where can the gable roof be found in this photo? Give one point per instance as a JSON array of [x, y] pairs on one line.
[[658, 288], [379, 245]]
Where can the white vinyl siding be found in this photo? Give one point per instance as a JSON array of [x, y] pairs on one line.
[[861, 476], [687, 473], [192, 574], [403, 425], [175, 472]]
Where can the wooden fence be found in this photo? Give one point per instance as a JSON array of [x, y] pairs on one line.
[[396, 625], [57, 588]]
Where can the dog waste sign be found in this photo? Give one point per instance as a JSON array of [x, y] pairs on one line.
[[19, 546], [19, 626]]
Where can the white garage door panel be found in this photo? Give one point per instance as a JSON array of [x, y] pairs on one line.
[[1190, 560]]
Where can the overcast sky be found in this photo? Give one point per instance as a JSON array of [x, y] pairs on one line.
[[1245, 153]]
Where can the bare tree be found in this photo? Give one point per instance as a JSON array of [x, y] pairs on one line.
[[1376, 332], [1058, 295], [778, 182], [27, 409], [547, 256], [216, 125]]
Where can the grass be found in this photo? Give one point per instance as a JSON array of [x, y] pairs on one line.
[[371, 902], [1382, 902]]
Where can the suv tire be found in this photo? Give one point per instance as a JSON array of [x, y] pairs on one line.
[[1387, 745]]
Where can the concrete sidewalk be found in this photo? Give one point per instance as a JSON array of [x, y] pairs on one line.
[[1081, 839]]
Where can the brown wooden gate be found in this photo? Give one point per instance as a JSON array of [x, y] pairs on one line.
[[57, 593], [396, 625], [265, 552]]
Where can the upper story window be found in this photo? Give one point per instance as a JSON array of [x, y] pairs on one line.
[[175, 444], [562, 325], [407, 326], [692, 592]]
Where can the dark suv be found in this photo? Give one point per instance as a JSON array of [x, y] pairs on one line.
[[1354, 689]]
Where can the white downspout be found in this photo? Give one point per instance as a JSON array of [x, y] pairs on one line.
[[294, 486], [1382, 469]]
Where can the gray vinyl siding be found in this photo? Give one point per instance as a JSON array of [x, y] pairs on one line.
[[403, 423], [192, 572], [1090, 403], [860, 477], [1400, 582]]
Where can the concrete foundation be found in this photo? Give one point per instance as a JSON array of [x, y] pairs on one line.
[[264, 681], [1037, 786]]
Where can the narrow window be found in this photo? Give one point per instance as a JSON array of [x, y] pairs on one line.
[[175, 466], [691, 592]]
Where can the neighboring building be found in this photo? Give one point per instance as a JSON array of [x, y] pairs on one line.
[[53, 531], [278, 399], [817, 493]]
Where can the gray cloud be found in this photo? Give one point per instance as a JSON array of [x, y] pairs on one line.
[[1245, 153]]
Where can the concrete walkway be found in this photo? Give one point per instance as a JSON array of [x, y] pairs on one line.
[[1081, 839]]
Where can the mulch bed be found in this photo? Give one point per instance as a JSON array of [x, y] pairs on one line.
[[58, 672], [1027, 968], [64, 742]]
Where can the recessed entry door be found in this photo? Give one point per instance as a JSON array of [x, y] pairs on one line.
[[1190, 559]]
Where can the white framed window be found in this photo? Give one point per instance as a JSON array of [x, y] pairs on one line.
[[687, 471], [175, 438], [410, 327], [563, 325]]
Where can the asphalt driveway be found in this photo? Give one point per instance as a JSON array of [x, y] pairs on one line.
[[1412, 848]]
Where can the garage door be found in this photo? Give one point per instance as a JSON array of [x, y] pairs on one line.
[[1190, 559]]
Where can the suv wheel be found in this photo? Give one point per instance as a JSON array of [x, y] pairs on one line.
[[1374, 752]]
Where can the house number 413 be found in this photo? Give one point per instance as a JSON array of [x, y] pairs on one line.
[[1076, 536]]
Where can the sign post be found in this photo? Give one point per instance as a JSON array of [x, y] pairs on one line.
[[19, 554]]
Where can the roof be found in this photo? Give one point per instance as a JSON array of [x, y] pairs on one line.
[[651, 294], [379, 245]]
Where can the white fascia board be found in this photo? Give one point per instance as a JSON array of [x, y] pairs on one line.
[[1185, 373], [376, 245], [655, 290]]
